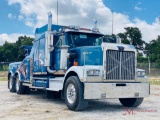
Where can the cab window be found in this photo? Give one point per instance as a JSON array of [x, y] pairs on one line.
[[59, 41], [78, 39]]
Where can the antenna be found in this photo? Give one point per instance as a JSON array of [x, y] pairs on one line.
[[112, 22], [95, 23]]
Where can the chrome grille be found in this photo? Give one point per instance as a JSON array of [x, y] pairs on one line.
[[120, 65]]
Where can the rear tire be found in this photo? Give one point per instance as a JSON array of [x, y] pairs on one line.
[[131, 102], [20, 89], [73, 94], [11, 84]]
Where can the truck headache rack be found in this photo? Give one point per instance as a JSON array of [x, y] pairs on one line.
[[120, 65]]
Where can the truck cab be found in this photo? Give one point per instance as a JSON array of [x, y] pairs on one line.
[[79, 64]]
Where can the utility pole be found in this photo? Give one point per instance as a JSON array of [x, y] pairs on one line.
[[57, 15], [112, 22], [149, 66]]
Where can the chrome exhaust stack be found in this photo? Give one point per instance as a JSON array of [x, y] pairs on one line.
[[118, 40], [49, 21], [49, 45]]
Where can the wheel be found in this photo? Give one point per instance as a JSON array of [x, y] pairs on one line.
[[11, 84], [53, 95], [73, 94], [131, 102], [20, 89]]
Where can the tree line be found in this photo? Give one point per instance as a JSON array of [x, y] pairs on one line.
[[9, 52], [146, 51]]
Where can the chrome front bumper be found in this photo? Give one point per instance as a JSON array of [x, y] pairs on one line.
[[116, 90]]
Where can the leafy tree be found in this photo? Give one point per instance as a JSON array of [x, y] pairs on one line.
[[1, 53], [23, 40], [124, 38], [153, 50], [132, 35], [141, 58], [9, 51]]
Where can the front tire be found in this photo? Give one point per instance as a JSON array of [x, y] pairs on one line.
[[73, 94], [53, 95], [11, 84], [131, 102], [27, 90]]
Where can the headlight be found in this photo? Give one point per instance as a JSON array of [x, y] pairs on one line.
[[140, 73], [93, 72]]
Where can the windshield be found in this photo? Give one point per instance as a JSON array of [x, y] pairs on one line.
[[77, 39], [105, 39]]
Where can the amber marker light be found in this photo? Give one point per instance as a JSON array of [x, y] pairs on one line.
[[75, 63]]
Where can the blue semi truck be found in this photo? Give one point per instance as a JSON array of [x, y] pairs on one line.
[[79, 64]]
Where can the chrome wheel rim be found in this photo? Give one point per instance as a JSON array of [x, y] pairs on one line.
[[17, 84], [10, 83], [71, 93]]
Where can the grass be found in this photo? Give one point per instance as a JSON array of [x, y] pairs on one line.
[[3, 75], [3, 78], [155, 82]]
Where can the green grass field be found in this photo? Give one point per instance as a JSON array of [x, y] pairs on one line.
[[155, 82]]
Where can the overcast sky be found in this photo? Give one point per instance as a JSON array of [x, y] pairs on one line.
[[21, 17]]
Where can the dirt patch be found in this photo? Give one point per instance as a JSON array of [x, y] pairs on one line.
[[36, 106], [3, 73]]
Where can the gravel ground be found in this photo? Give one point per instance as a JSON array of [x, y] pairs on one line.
[[36, 106]]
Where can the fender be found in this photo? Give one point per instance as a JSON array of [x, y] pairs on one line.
[[82, 70], [79, 70], [11, 72], [19, 75]]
